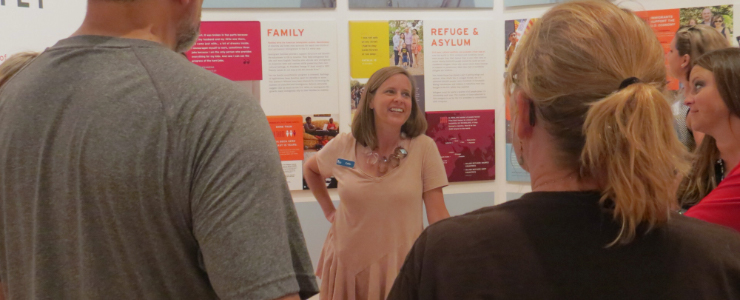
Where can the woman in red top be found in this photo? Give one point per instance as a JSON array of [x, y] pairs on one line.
[[714, 103]]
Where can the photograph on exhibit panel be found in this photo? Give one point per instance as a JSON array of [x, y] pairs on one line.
[[719, 17], [378, 44], [319, 130], [514, 30], [269, 3], [421, 3], [406, 37]]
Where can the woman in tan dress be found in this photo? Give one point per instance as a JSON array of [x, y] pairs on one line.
[[386, 169]]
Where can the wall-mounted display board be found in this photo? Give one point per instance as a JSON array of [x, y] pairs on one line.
[[466, 142], [269, 3], [452, 64], [288, 133], [291, 69], [420, 3]]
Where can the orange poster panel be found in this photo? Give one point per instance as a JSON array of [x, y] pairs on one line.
[[288, 132], [664, 23]]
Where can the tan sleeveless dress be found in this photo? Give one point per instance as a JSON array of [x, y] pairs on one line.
[[378, 218]]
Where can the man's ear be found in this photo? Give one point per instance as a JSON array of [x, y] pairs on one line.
[[524, 115]]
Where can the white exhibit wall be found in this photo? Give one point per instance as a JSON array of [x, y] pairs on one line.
[[34, 28]]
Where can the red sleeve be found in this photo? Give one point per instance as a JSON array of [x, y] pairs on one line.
[[722, 205]]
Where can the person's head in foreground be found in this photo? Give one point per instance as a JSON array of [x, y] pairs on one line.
[[589, 101], [15, 63], [592, 125]]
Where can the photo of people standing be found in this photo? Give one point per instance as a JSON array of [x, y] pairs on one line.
[[357, 87], [406, 42], [718, 17], [515, 30]]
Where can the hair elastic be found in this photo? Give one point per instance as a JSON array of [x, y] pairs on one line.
[[627, 82]]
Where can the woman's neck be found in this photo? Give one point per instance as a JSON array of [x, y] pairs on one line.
[[388, 138], [546, 174]]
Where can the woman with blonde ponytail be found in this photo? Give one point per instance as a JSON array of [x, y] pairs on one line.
[[592, 125]]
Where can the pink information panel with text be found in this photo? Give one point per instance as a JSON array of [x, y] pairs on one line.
[[466, 142], [230, 49]]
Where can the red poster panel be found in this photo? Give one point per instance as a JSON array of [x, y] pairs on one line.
[[230, 49], [466, 143], [664, 23], [288, 132]]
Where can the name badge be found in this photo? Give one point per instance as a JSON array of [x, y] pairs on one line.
[[346, 163]]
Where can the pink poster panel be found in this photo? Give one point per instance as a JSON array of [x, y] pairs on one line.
[[466, 142], [230, 49]]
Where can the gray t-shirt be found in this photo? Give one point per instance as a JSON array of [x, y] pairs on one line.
[[130, 173]]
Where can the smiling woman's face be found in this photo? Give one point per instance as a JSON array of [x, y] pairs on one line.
[[392, 101]]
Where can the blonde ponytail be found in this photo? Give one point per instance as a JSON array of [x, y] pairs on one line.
[[570, 64], [632, 150]]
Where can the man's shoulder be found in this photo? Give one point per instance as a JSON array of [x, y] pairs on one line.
[[180, 82], [170, 69]]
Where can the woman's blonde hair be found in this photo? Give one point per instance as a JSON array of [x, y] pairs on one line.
[[697, 40], [572, 65], [15, 63], [363, 126], [725, 66]]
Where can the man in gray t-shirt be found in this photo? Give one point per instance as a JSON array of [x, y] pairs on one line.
[[126, 172]]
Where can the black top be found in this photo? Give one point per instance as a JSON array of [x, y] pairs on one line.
[[552, 245]]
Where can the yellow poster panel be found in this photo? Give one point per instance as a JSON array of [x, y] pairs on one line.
[[369, 48]]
